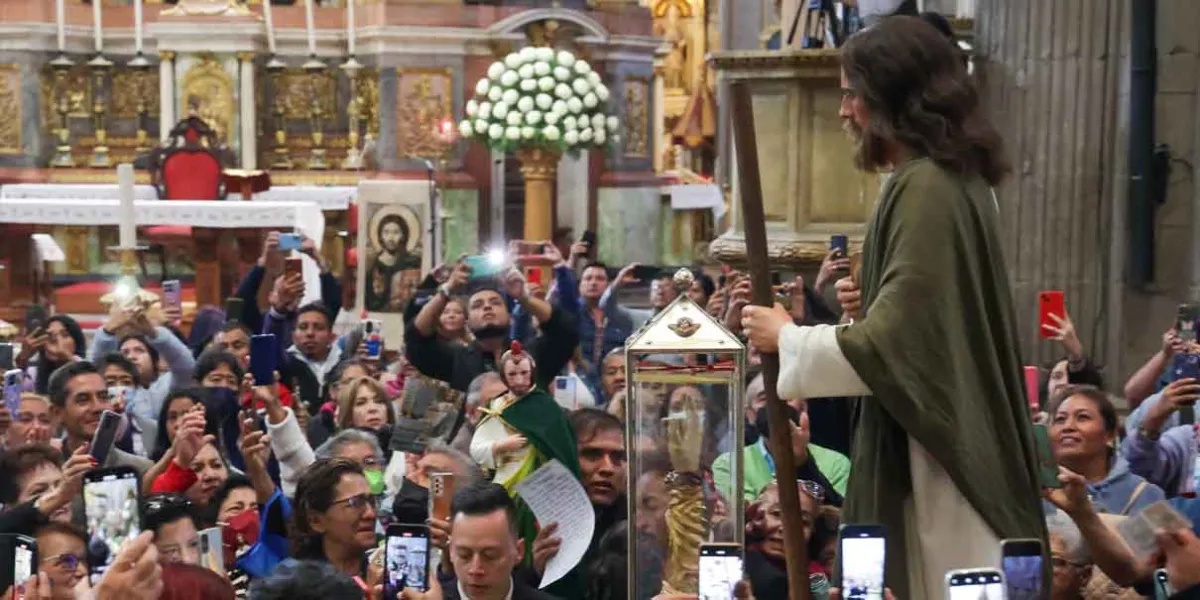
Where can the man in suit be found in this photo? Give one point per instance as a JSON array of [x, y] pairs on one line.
[[485, 547]]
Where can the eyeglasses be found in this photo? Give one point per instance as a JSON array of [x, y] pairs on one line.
[[812, 488], [357, 502], [66, 561]]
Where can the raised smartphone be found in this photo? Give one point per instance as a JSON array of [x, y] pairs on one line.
[[7, 354], [373, 337], [565, 389], [484, 266], [1033, 387], [264, 358], [1186, 316], [1021, 561], [233, 309], [35, 318], [406, 561], [110, 505], [1184, 366], [841, 244], [290, 241], [106, 435], [1050, 303], [975, 584], [589, 238], [293, 267], [212, 550], [172, 294], [862, 550], [1047, 464], [12, 390], [720, 570], [24, 564], [441, 492]]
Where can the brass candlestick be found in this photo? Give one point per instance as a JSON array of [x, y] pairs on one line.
[[141, 69], [62, 152], [283, 159], [100, 67], [354, 113], [316, 115]]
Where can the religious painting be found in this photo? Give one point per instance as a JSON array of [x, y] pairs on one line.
[[424, 101], [10, 107], [208, 94], [393, 250], [637, 117]]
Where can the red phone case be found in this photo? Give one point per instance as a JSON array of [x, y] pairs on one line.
[[1050, 303], [1032, 387]]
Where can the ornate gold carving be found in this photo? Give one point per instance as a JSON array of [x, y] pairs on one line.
[[424, 99], [10, 107], [368, 91], [166, 54], [684, 327], [208, 91], [77, 249], [637, 117], [132, 90], [822, 61], [295, 93], [245, 56], [78, 86], [730, 248]]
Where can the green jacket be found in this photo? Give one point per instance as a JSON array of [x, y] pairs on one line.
[[758, 473]]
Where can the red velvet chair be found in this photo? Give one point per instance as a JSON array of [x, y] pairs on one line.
[[187, 167]]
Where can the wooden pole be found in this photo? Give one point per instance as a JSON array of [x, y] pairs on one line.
[[744, 138]]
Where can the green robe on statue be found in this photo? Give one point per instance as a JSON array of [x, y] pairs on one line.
[[943, 451]]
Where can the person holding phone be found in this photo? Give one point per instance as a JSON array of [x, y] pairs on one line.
[[1166, 456], [39, 487], [255, 288], [61, 343], [78, 398]]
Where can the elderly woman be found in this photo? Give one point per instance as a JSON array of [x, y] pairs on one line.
[[1072, 567], [765, 565], [335, 516], [362, 449], [1083, 434]]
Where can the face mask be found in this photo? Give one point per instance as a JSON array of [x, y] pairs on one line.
[[375, 480], [221, 398], [238, 534]]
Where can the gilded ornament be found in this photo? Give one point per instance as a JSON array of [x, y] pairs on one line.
[[131, 90], [10, 107], [637, 118], [208, 91], [684, 327], [77, 88], [424, 101], [296, 89]]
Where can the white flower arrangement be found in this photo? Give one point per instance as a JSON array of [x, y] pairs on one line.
[[540, 98]]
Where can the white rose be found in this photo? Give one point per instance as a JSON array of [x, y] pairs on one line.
[[541, 69], [496, 93], [544, 101], [566, 59], [581, 87], [602, 92], [525, 104], [571, 138], [569, 123], [591, 100], [551, 118], [585, 136], [513, 133], [485, 110], [563, 91], [526, 71], [513, 60], [528, 133], [551, 133], [599, 136], [597, 121], [466, 129], [528, 54], [583, 68], [529, 85], [496, 70], [546, 84], [594, 78], [482, 87], [500, 110], [545, 54], [509, 78], [616, 139], [613, 124], [481, 127], [562, 73], [514, 118], [496, 132], [560, 107], [472, 107], [533, 117], [574, 105], [511, 96]]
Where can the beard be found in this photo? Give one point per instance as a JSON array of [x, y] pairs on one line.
[[490, 332], [852, 130]]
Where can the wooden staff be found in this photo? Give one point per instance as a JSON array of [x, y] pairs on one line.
[[794, 545]]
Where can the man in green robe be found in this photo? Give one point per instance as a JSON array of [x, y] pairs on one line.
[[943, 454]]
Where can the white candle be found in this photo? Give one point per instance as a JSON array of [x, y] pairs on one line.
[[350, 26], [97, 26], [311, 27], [126, 220], [137, 26], [270, 26], [60, 18]]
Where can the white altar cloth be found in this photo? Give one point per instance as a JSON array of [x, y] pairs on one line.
[[327, 197]]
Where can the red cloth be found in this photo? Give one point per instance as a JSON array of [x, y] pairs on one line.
[[175, 480], [285, 398]]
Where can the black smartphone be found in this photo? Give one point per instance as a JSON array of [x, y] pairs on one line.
[[589, 238], [862, 550], [233, 310], [720, 570], [1186, 316], [19, 554], [406, 559], [1047, 464], [971, 584], [35, 318], [645, 272], [106, 435], [7, 354], [264, 358], [841, 243], [1022, 565], [111, 500]]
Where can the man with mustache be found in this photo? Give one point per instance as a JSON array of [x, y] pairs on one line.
[[933, 345]]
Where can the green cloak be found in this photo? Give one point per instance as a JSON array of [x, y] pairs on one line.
[[937, 346], [542, 421]]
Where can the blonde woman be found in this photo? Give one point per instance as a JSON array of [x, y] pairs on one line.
[[363, 404]]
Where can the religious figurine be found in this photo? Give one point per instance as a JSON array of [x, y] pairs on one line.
[[675, 37], [687, 521]]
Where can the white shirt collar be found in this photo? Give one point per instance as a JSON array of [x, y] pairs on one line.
[[463, 593]]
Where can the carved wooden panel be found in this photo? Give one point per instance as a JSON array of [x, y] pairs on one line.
[[636, 111], [10, 108]]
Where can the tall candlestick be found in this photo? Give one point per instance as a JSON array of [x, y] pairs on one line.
[[270, 26], [60, 19], [311, 27], [97, 26], [350, 26], [137, 26], [126, 221]]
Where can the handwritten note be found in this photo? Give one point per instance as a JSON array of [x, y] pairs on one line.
[[556, 496]]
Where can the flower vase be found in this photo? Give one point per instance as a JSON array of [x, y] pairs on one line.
[[539, 166]]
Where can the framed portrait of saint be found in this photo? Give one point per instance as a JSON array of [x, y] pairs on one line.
[[393, 250]]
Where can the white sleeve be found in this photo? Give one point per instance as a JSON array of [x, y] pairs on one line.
[[481, 449], [291, 449], [811, 365]]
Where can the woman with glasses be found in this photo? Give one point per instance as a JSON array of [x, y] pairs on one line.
[[31, 423], [362, 449], [334, 518], [1072, 568], [62, 556], [765, 563]]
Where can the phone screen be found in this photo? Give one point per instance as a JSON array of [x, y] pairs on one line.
[[106, 435], [1022, 564], [233, 309], [12, 390], [172, 293], [373, 337], [23, 557], [212, 550], [483, 266], [1185, 322], [264, 356], [407, 559], [7, 352], [863, 556], [110, 503], [976, 585], [564, 392], [720, 570]]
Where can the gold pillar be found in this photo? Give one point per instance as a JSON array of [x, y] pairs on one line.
[[540, 168]]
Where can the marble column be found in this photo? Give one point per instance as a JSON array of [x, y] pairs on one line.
[[247, 117], [1051, 74], [659, 121], [166, 93], [724, 140]]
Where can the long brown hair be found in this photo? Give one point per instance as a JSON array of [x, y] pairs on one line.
[[917, 91]]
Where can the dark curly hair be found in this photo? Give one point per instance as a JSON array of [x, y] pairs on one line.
[[918, 94], [315, 493]]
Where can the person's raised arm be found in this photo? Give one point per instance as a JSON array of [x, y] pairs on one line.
[[107, 338], [427, 320], [608, 300], [1108, 550], [256, 449], [1143, 382], [287, 440]]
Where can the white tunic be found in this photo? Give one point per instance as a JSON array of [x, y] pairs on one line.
[[944, 531]]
